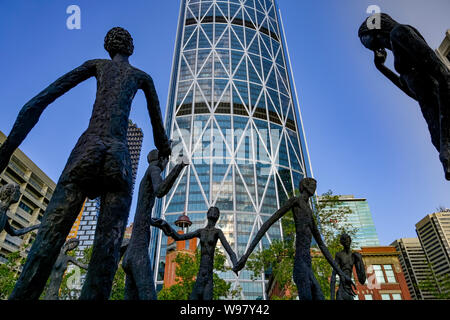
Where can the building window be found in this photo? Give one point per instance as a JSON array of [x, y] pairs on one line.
[[368, 297], [396, 296], [385, 296], [25, 208], [379, 273], [389, 273]]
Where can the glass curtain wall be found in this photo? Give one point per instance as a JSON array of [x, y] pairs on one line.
[[232, 111]]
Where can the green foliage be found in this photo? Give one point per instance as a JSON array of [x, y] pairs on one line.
[[9, 271], [118, 287], [279, 257], [439, 287], [9, 274], [186, 272]]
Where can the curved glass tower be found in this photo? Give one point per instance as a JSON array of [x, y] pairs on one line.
[[232, 111]]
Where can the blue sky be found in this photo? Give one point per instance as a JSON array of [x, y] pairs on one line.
[[365, 137]]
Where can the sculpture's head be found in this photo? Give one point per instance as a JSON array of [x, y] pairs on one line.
[[119, 40], [374, 39], [70, 245], [9, 194], [213, 214], [154, 159], [345, 240], [308, 185]]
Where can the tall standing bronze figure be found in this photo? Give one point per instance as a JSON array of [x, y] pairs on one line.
[[139, 283], [305, 228], [422, 75], [208, 236], [99, 165], [346, 260]]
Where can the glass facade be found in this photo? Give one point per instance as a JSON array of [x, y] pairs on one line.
[[361, 218], [232, 111]]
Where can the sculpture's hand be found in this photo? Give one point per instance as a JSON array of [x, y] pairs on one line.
[[380, 56], [161, 224], [240, 264]]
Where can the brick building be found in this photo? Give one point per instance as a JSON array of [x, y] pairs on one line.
[[385, 278]]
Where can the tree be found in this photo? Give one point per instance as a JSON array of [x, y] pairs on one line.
[[10, 270], [186, 271], [437, 286], [9, 273], [278, 258]]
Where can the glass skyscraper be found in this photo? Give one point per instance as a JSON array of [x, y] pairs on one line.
[[232, 110], [360, 218]]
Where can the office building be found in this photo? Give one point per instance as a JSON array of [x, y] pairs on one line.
[[443, 51], [414, 265], [232, 110], [360, 218], [434, 235], [36, 190]]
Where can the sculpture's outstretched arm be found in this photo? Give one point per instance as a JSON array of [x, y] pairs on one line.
[[327, 255], [379, 59], [170, 232], [186, 236], [227, 248], [78, 263], [17, 233], [274, 218], [162, 187], [154, 111], [32, 110]]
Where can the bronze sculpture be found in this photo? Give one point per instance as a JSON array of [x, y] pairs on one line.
[[139, 283], [99, 165], [422, 76], [60, 267], [305, 228], [209, 235], [346, 259], [10, 194]]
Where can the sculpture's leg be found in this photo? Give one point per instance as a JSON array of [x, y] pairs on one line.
[[111, 224], [58, 219], [209, 290], [145, 285], [52, 292], [197, 291], [317, 293], [131, 291], [302, 279]]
